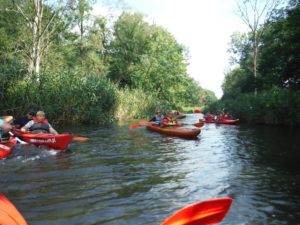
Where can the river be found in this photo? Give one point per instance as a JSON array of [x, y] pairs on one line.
[[123, 176]]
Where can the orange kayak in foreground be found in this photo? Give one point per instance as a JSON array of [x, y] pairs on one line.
[[174, 131], [57, 142], [9, 215]]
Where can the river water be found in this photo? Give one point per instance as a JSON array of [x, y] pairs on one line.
[[123, 176]]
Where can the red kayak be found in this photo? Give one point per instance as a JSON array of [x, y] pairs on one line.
[[197, 110], [7, 147], [57, 142], [227, 121], [174, 131], [223, 121]]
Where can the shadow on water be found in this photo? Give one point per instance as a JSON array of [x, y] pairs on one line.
[[123, 176]]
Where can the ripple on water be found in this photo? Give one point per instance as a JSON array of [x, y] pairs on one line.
[[126, 176]]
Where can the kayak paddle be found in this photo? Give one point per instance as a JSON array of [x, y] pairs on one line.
[[138, 124], [80, 139], [199, 124], [201, 213], [9, 215], [18, 139]]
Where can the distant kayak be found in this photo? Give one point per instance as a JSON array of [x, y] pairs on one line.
[[174, 131], [223, 121], [57, 142], [180, 116], [7, 147], [197, 110]]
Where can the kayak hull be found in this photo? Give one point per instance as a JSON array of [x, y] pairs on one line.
[[229, 122], [223, 121], [9, 214], [175, 131], [7, 147], [57, 142]]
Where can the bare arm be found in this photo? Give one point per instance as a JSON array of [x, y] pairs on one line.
[[27, 126], [53, 131]]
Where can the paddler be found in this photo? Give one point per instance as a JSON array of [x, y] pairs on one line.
[[5, 127], [22, 121], [157, 118], [39, 124]]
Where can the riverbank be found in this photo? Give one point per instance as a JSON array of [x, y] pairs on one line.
[[276, 106]]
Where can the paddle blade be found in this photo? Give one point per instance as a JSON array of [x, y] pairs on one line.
[[134, 125], [202, 213], [139, 124], [200, 124], [80, 139], [9, 215]]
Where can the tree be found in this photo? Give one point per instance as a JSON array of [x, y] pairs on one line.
[[280, 50], [255, 13], [36, 24]]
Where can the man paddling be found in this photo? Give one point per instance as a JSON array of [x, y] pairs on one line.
[[22, 121], [39, 124], [157, 118]]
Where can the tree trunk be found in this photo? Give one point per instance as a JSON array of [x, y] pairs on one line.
[[255, 53], [35, 56]]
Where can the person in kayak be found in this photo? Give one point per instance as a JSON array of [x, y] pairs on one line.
[[227, 116], [39, 124], [208, 116], [157, 118], [169, 121], [5, 127], [22, 121]]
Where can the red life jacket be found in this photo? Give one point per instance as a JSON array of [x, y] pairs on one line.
[[169, 120], [40, 125]]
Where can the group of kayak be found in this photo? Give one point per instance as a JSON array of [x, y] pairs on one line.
[[220, 118], [33, 129], [37, 130], [170, 126]]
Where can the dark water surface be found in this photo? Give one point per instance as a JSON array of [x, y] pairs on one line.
[[138, 177]]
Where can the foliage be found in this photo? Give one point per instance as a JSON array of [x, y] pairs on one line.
[[134, 104], [278, 80], [271, 106], [87, 67], [69, 96]]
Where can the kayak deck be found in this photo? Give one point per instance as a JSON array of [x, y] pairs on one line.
[[223, 121], [175, 131]]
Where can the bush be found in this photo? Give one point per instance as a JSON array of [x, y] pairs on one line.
[[68, 97], [275, 106], [135, 103]]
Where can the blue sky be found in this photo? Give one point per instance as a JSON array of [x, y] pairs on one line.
[[204, 27]]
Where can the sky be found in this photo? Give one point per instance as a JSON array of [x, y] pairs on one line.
[[203, 26]]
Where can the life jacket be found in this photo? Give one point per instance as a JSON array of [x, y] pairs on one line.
[[40, 126], [169, 120]]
